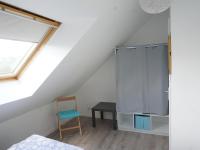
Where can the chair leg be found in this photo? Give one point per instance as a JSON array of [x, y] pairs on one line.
[[79, 123], [59, 128]]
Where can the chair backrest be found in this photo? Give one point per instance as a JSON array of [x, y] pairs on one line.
[[66, 99]]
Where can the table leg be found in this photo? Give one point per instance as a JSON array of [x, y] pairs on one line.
[[114, 121], [93, 119], [102, 117]]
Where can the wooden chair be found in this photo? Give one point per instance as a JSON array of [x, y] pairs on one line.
[[67, 114]]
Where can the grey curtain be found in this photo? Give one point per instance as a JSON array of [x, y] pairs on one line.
[[142, 79]]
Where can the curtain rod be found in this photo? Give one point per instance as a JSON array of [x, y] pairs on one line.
[[146, 46], [134, 47]]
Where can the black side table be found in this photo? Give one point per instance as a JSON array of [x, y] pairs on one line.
[[104, 107]]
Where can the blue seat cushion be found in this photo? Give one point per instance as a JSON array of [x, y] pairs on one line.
[[68, 114]]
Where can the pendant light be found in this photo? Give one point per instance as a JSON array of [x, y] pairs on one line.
[[154, 6]]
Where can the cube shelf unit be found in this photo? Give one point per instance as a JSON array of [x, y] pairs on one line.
[[159, 124]]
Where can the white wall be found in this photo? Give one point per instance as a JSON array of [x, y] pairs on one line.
[[155, 30], [73, 71], [185, 88], [115, 21], [100, 87], [40, 121]]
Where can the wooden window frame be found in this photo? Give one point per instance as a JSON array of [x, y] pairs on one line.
[[169, 54], [32, 16]]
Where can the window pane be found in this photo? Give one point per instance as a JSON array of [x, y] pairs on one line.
[[13, 27], [12, 53]]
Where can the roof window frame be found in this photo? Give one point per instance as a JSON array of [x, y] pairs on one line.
[[54, 25]]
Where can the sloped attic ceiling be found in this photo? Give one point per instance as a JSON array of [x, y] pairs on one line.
[[115, 22]]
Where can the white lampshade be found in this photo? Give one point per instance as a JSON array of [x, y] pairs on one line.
[[154, 6]]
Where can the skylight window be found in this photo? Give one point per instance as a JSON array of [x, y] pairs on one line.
[[22, 35], [13, 54]]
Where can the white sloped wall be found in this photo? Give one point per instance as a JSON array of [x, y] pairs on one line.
[[155, 30], [101, 86], [116, 20]]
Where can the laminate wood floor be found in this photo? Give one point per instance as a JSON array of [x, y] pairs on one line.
[[103, 137]]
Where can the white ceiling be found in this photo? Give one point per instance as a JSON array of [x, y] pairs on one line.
[[70, 8], [116, 21]]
